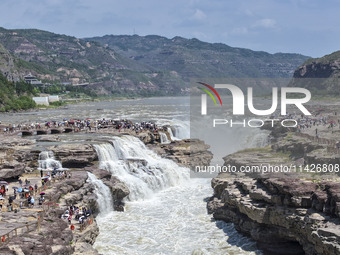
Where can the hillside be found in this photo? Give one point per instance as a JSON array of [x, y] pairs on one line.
[[15, 95], [132, 65], [192, 58], [319, 75], [60, 58], [7, 65]]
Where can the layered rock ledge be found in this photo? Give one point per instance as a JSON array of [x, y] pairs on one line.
[[300, 216], [288, 213], [187, 152]]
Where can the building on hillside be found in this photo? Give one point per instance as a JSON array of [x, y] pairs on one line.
[[53, 99], [44, 99], [41, 100], [31, 79]]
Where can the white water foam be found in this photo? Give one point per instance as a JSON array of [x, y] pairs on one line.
[[103, 193], [47, 161], [180, 128], [173, 220], [182, 131], [142, 170], [164, 138], [172, 137]]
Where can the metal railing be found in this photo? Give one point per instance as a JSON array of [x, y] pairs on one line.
[[5, 238]]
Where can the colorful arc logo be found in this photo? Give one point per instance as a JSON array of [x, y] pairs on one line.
[[209, 93]]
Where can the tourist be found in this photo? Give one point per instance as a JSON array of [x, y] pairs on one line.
[[10, 200], [338, 145], [81, 219], [29, 200]]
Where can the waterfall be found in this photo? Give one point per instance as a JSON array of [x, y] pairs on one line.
[[260, 140], [103, 193], [182, 130], [164, 138], [47, 161], [142, 170], [172, 137], [256, 139], [178, 130]]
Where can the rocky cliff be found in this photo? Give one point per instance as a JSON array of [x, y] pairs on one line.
[[188, 152], [284, 216], [321, 75], [294, 212], [15, 156], [75, 155], [7, 65]]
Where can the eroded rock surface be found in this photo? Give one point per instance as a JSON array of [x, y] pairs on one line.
[[300, 215], [187, 152]]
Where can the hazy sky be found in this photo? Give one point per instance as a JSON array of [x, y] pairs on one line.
[[308, 27]]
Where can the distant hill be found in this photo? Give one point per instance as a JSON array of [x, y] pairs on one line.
[[60, 58], [192, 58], [320, 75], [132, 65]]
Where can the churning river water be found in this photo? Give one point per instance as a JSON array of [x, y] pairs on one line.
[[166, 209]]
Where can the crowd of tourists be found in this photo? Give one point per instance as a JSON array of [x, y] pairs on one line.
[[24, 194], [79, 214], [81, 125]]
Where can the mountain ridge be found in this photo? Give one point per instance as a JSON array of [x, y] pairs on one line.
[[195, 58], [145, 66], [320, 75]]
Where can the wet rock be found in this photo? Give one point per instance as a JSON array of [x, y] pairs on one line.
[[82, 248], [119, 190], [146, 137], [89, 235], [280, 212], [100, 173], [74, 155], [13, 161], [187, 152]]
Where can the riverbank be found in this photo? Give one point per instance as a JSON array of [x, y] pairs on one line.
[[294, 208]]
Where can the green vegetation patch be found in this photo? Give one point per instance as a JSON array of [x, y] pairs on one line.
[[15, 96]]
